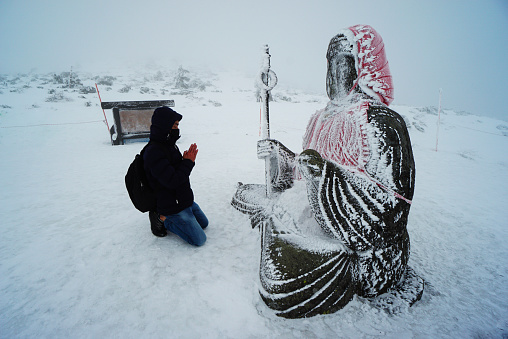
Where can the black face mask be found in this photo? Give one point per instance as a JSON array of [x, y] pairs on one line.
[[173, 136]]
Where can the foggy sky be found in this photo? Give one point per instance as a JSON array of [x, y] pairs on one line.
[[458, 46]]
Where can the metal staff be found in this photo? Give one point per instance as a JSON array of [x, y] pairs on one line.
[[266, 81]]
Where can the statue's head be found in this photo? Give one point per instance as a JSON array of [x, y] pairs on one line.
[[341, 74], [357, 63]]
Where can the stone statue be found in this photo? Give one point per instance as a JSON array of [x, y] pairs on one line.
[[349, 236]]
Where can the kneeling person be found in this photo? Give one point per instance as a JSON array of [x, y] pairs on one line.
[[168, 173]]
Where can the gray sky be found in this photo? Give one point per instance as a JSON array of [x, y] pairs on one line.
[[459, 46]]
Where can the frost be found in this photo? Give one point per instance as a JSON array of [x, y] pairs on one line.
[[372, 68]]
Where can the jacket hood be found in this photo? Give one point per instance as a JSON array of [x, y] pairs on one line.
[[163, 119], [374, 76]]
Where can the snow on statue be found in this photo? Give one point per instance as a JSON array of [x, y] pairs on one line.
[[359, 173]]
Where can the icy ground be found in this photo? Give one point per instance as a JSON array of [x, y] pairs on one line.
[[78, 261]]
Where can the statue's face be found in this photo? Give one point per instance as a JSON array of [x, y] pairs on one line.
[[341, 75], [341, 68]]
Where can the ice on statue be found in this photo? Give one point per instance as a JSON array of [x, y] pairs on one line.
[[335, 225]]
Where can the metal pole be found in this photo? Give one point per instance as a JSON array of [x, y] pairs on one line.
[[438, 117], [265, 93], [267, 81], [70, 78]]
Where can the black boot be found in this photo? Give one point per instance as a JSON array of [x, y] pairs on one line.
[[157, 225]]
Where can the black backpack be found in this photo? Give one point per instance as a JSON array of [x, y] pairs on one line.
[[142, 195]]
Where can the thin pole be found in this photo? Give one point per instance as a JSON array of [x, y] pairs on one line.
[[438, 117], [105, 119], [265, 94], [70, 78], [267, 80]]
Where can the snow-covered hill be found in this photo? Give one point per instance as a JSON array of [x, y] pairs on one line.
[[77, 260]]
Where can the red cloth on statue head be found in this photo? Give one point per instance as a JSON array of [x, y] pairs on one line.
[[374, 76]]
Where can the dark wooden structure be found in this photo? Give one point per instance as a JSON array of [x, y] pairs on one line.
[[132, 119]]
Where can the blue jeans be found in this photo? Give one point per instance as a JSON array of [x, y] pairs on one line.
[[188, 224]]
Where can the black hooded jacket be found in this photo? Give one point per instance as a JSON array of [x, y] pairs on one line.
[[167, 172]]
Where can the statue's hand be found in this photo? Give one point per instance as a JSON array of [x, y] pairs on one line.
[[282, 163], [311, 164], [267, 148]]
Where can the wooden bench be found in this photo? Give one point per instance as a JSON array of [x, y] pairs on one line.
[[132, 119]]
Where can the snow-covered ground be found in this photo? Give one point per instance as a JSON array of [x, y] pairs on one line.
[[77, 260]]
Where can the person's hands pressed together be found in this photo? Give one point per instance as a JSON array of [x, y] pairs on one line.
[[191, 153]]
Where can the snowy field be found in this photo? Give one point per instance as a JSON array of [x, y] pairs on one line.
[[78, 261]]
